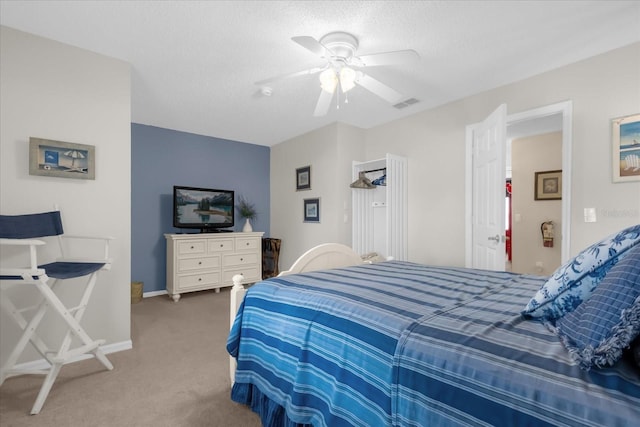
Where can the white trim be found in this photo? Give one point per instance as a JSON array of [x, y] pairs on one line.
[[154, 293], [42, 364], [566, 109], [468, 198]]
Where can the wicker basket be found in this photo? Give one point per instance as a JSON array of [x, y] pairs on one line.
[[136, 292]]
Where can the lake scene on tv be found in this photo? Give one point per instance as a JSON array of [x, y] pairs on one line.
[[195, 207]]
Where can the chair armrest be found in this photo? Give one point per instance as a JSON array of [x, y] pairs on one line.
[[104, 239], [21, 242], [69, 236]]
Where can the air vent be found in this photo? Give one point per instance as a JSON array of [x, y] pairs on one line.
[[406, 103]]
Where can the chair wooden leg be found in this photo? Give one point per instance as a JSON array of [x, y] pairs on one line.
[[72, 317], [28, 335], [73, 322], [46, 388]]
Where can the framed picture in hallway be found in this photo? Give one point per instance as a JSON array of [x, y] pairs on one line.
[[61, 159], [548, 185], [626, 148]]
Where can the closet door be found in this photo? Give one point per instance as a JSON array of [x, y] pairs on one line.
[[380, 214], [397, 207]]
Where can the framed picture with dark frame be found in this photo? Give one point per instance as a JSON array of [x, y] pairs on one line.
[[312, 210], [61, 159], [303, 178], [625, 141], [548, 185]]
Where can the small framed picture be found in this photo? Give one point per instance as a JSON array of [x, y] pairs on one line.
[[311, 210], [548, 185], [626, 148], [61, 159], [303, 178]]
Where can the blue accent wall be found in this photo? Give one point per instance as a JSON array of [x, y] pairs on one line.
[[162, 158]]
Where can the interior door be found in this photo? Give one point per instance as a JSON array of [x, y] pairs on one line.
[[488, 213]]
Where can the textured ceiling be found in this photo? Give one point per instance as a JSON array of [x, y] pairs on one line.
[[194, 63]]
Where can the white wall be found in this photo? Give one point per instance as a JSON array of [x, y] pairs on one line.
[[528, 156], [329, 151], [55, 91], [601, 88]]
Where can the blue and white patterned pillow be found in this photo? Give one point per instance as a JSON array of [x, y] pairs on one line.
[[573, 282], [599, 330]]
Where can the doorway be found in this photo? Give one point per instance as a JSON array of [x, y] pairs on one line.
[[527, 118], [534, 147]]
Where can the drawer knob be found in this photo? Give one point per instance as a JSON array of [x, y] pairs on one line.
[[241, 259], [199, 279], [191, 247], [199, 262], [221, 245], [247, 243]]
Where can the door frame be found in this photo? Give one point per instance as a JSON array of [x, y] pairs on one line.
[[566, 109]]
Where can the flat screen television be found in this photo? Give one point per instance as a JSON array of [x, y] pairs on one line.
[[206, 209]]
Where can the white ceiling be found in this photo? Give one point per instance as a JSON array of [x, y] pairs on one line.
[[194, 63]]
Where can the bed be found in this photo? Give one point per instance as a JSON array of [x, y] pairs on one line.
[[338, 342]]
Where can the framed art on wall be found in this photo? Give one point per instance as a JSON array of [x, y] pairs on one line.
[[626, 148], [61, 159], [303, 178], [548, 185], [312, 210]]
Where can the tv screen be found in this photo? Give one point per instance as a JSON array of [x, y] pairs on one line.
[[206, 209]]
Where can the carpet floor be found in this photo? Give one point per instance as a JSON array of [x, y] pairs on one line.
[[177, 374]]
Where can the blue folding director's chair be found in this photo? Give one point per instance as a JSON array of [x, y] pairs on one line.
[[21, 233]]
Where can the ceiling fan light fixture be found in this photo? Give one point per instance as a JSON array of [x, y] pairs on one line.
[[328, 80], [347, 79]]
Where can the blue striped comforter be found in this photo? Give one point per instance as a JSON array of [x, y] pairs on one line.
[[402, 344]]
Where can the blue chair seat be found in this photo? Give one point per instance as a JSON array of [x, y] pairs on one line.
[[69, 270]]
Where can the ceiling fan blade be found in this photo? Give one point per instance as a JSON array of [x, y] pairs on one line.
[[313, 45], [324, 101], [390, 95], [310, 71], [386, 58]]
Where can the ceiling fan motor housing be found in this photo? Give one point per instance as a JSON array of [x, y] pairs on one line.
[[342, 45]]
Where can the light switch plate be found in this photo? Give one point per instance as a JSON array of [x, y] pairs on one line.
[[589, 214]]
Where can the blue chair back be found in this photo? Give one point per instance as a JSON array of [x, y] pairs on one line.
[[31, 225]]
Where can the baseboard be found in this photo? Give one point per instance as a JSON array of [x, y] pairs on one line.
[[107, 349], [154, 293]]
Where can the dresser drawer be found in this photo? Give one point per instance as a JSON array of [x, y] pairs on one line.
[[239, 259], [201, 263], [247, 243], [188, 281], [193, 247], [220, 245], [251, 274]]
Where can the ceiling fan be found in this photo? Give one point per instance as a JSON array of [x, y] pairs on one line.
[[343, 68]]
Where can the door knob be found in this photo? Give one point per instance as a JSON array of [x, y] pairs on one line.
[[496, 238]]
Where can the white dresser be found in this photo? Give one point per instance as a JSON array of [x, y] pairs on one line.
[[209, 260]]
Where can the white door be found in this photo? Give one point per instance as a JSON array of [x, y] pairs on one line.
[[488, 172]]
